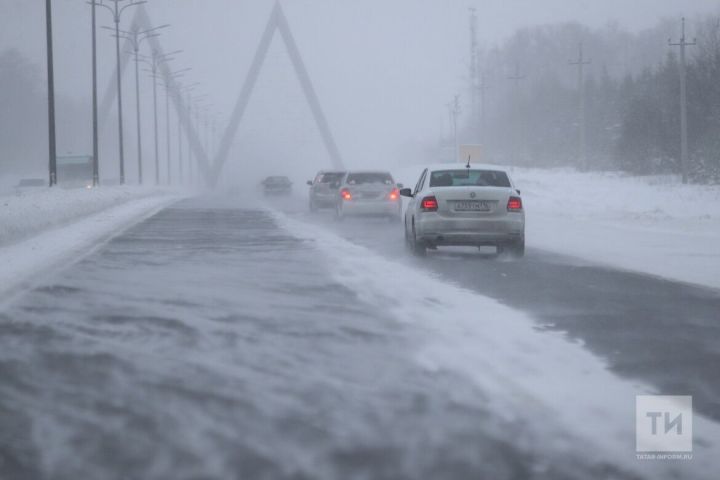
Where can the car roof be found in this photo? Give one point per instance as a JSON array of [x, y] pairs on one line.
[[462, 166], [370, 171]]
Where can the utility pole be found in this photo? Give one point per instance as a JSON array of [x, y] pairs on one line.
[[117, 14], [580, 63], [454, 110], [482, 88], [52, 147], [96, 149], [683, 102], [473, 69], [516, 78]]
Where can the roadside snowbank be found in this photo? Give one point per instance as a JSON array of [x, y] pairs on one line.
[[652, 225], [27, 214], [51, 228], [559, 392]]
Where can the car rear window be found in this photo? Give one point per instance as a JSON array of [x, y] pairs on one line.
[[330, 177], [464, 178], [363, 178]]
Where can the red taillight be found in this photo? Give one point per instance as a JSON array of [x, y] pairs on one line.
[[429, 204], [394, 194], [514, 204], [345, 194]]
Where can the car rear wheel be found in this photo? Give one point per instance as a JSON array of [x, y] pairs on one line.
[[515, 249], [418, 248]]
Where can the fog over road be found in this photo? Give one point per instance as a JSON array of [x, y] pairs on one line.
[[209, 342]]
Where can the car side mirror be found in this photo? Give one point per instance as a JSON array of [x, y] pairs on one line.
[[309, 182], [406, 192], [400, 185], [518, 191]]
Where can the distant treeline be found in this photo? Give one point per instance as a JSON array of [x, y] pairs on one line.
[[632, 92]]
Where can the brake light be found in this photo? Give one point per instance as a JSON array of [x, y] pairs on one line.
[[429, 204], [345, 194], [394, 194], [514, 204]]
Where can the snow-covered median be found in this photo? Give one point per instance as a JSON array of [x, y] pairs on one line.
[[652, 225], [51, 227]]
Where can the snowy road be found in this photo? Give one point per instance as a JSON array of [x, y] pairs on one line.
[[209, 342], [647, 328]]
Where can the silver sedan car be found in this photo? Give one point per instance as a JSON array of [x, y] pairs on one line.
[[461, 205], [369, 193]]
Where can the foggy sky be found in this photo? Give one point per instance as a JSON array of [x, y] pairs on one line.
[[383, 70]]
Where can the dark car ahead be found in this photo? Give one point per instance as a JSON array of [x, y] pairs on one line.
[[277, 185], [324, 189]]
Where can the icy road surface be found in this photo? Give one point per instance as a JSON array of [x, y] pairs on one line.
[[211, 341]]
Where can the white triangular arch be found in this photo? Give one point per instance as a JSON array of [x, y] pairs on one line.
[[277, 22]]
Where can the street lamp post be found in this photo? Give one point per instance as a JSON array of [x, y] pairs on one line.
[[117, 14], [197, 125], [52, 149], [169, 78], [154, 62], [180, 90], [96, 149], [136, 36]]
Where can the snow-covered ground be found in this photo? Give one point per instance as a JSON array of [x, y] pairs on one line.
[[49, 227], [31, 212], [533, 377], [652, 225]]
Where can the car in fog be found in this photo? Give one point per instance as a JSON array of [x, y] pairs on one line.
[[276, 185], [463, 205], [324, 189], [369, 193]]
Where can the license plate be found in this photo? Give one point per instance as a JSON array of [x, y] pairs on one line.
[[472, 206], [369, 195]]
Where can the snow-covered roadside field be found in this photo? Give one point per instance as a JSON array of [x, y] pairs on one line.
[[652, 225], [50, 227], [30, 213]]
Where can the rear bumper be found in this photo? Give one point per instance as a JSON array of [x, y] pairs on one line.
[[436, 230], [327, 201], [277, 190], [354, 207]]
